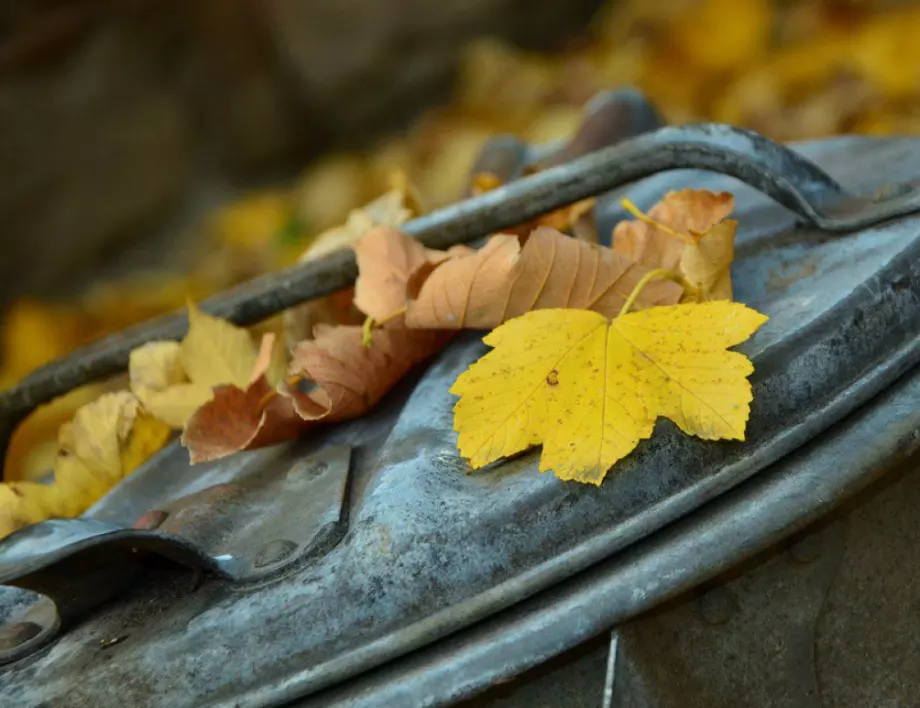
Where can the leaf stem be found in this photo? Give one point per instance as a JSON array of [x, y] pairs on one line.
[[642, 216], [290, 381], [645, 280], [370, 323]]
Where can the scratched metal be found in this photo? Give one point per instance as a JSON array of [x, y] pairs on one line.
[[866, 630], [259, 517], [431, 549], [824, 618]]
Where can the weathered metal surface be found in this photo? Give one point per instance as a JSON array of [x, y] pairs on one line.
[[776, 171], [28, 620], [432, 549], [825, 618], [849, 627], [253, 523]]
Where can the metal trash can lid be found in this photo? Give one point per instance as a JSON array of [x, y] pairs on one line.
[[368, 540]]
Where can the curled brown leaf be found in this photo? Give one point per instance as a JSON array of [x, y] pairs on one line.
[[686, 232], [347, 380], [351, 378]]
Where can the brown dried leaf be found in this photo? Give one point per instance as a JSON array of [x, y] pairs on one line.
[[348, 379], [393, 208], [351, 378], [387, 262], [689, 212], [236, 419], [503, 280], [686, 232]]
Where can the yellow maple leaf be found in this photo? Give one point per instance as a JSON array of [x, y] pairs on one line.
[[589, 389]]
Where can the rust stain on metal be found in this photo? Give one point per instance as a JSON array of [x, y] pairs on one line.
[[151, 520], [790, 273]]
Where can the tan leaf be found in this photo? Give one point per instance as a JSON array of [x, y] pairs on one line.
[[393, 208], [686, 232], [215, 351], [688, 212], [388, 261], [351, 378], [707, 265], [503, 280]]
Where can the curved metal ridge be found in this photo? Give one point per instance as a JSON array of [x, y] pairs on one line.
[[785, 498], [432, 553], [774, 169], [24, 552]]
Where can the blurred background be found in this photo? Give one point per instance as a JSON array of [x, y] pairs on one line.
[[154, 150]]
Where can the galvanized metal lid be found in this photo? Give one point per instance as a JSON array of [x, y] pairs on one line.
[[332, 555]]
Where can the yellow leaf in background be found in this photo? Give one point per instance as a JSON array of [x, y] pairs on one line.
[[330, 188], [723, 34], [590, 389], [216, 352], [253, 221], [106, 441], [51, 332], [159, 381]]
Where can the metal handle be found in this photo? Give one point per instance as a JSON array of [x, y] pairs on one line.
[[774, 169]]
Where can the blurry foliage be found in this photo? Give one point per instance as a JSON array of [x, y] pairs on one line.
[[789, 69]]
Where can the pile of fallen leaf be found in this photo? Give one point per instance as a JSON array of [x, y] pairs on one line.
[[590, 346], [791, 70]]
